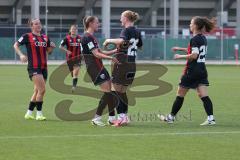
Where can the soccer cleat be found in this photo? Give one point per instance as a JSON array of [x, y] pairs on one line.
[[169, 118], [111, 120], [121, 121], [208, 123], [97, 122], [29, 117], [73, 89], [41, 118]]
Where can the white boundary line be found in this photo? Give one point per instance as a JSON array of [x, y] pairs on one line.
[[121, 135]]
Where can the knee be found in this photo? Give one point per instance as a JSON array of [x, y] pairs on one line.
[[199, 95], [181, 94], [41, 91]]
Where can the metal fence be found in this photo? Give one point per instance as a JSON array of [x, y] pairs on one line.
[[157, 43]]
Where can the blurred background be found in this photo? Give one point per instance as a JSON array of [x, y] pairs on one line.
[[163, 24]]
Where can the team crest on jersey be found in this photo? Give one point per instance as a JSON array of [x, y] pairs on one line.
[[34, 38], [102, 76], [70, 40], [78, 40]]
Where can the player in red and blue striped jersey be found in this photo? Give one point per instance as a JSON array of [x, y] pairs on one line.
[[73, 53], [38, 46]]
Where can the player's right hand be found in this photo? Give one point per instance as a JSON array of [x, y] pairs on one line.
[[23, 59], [174, 49], [115, 60], [69, 52], [177, 56]]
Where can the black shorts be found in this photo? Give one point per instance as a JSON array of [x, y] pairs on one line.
[[123, 73], [73, 62], [190, 82], [99, 77], [33, 71]]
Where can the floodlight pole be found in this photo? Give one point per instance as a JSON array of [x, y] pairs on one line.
[[222, 31], [165, 25], [46, 17]]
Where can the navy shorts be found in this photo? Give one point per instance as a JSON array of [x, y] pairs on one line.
[[190, 82], [100, 77], [73, 62], [34, 71]]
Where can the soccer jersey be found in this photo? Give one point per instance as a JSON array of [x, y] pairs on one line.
[[198, 45], [132, 40], [36, 49], [89, 43], [73, 45]]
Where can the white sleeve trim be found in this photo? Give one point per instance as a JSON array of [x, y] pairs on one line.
[[90, 45], [20, 39], [195, 50]]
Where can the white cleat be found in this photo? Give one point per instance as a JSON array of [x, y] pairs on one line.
[[169, 118], [98, 122], [208, 123], [73, 89]]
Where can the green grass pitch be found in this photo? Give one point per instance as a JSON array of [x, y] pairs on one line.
[[144, 139]]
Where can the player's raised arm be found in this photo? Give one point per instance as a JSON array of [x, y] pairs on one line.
[[97, 53], [117, 41], [174, 49]]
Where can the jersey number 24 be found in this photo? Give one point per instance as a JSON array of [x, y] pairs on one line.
[[132, 49]]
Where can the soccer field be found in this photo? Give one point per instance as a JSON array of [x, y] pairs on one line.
[[146, 138]]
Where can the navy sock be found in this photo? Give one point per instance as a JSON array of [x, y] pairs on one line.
[[208, 106], [39, 106], [177, 105], [31, 105]]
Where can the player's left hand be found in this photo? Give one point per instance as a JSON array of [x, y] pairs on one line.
[[52, 45], [177, 56], [105, 43]]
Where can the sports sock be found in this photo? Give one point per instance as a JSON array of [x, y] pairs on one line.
[[207, 103], [39, 106], [177, 105], [74, 82], [31, 105]]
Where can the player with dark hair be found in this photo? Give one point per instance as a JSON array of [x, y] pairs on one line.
[[123, 74], [195, 74], [73, 53], [93, 56], [38, 46]]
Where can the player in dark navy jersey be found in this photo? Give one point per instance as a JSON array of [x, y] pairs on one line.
[[73, 53], [93, 56], [195, 74], [123, 74], [38, 46]]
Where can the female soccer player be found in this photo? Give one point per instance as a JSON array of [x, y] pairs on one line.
[[123, 74], [73, 53], [195, 74], [93, 58], [38, 46]]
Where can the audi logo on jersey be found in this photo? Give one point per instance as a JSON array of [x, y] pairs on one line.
[[75, 44], [41, 44]]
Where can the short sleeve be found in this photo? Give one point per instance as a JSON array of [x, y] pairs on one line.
[[194, 46], [63, 42], [140, 43], [23, 39], [48, 42], [124, 34], [91, 44]]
